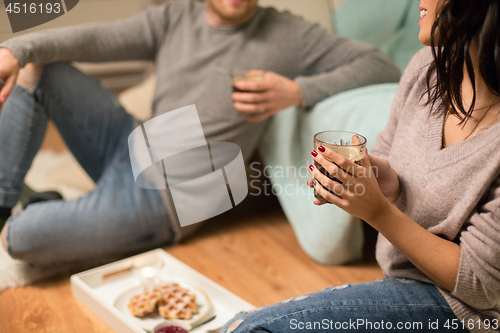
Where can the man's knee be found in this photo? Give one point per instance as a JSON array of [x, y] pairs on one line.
[[57, 71], [58, 80]]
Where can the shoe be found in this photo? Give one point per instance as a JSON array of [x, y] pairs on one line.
[[4, 216], [41, 197]]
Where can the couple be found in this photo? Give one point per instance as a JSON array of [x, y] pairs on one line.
[[194, 46]]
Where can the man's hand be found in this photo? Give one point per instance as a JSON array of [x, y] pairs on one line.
[[269, 96], [9, 70]]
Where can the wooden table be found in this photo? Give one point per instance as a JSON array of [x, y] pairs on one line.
[[254, 255]]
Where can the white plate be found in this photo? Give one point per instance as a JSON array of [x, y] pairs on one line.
[[149, 321]]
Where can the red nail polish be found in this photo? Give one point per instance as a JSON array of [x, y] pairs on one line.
[[321, 149], [311, 167], [314, 153]]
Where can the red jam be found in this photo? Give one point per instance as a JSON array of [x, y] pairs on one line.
[[172, 329]]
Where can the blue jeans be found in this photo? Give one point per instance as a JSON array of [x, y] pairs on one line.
[[387, 305], [117, 218]]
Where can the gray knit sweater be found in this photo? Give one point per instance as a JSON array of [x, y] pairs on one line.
[[453, 192], [193, 60]]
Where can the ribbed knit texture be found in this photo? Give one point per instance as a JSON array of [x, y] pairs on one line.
[[452, 192]]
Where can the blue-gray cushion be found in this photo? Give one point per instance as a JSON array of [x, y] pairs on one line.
[[326, 233]]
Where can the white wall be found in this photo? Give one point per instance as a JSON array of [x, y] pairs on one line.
[[313, 10]]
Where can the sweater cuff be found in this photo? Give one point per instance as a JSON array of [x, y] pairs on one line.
[[20, 52], [310, 95], [467, 288]]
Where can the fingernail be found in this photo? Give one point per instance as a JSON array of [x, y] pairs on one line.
[[314, 183], [311, 167], [314, 153], [321, 149]]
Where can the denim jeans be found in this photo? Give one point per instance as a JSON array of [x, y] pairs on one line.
[[387, 305], [117, 218]]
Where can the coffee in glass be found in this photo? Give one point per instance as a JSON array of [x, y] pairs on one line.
[[342, 143]]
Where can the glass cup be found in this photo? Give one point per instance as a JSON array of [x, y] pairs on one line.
[[149, 273], [237, 75], [340, 142]]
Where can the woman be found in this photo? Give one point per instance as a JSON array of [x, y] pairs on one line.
[[434, 195]]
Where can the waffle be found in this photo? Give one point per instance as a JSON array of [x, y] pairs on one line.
[[142, 304], [174, 302]]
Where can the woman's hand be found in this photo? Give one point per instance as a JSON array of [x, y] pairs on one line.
[[387, 178], [9, 70], [358, 193], [269, 96]]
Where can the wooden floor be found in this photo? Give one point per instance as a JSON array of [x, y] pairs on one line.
[[251, 251]]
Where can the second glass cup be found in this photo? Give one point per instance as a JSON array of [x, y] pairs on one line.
[[237, 75], [340, 142]]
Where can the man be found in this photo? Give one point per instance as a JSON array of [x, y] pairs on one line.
[[194, 46]]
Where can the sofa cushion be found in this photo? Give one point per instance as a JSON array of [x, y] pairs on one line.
[[391, 25]]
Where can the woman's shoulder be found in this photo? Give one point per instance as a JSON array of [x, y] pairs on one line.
[[413, 85], [422, 58], [414, 79], [418, 65]]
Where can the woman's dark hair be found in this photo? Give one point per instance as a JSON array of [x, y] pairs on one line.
[[458, 23]]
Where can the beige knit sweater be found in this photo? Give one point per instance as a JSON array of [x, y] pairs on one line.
[[453, 192]]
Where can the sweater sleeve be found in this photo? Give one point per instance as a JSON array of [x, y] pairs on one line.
[[478, 277], [135, 38], [333, 64], [409, 81]]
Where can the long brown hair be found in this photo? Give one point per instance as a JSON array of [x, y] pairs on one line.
[[456, 26]]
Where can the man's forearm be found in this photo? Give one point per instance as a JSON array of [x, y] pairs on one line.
[[370, 68]]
